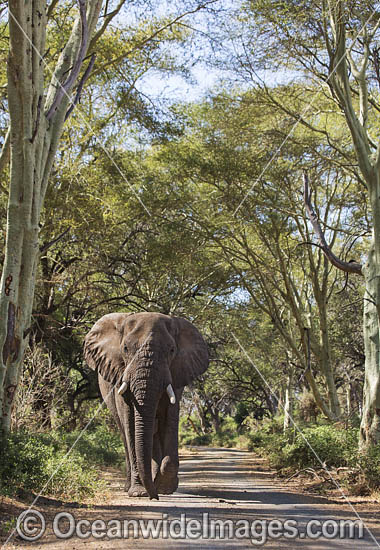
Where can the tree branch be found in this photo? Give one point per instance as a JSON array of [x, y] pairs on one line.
[[151, 37], [348, 267], [48, 245], [64, 89], [80, 86], [4, 158], [51, 8], [107, 19]]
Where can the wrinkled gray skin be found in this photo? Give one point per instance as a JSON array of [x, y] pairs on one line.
[[141, 354]]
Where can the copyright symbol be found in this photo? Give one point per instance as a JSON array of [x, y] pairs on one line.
[[30, 525]]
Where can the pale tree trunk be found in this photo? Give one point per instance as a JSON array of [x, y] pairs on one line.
[[36, 124], [343, 64], [325, 363], [319, 275], [289, 400], [348, 399], [343, 67], [370, 425]]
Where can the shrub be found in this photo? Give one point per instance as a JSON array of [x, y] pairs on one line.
[[227, 436], [370, 464], [327, 444], [38, 462], [24, 462], [100, 445], [71, 477], [189, 434]]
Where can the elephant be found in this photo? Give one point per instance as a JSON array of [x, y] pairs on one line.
[[144, 361]]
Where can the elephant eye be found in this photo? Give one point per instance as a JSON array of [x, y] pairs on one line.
[[172, 350], [125, 348]]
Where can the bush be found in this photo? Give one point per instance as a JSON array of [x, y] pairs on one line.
[[38, 462], [268, 437], [24, 462], [227, 436], [327, 444], [333, 446], [100, 445], [370, 464], [74, 477]]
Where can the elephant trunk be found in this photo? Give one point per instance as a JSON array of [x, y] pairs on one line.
[[144, 425]]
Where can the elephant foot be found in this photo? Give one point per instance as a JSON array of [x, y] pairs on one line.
[[167, 478], [137, 491], [166, 485]]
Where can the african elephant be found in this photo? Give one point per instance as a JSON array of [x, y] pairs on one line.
[[144, 360]]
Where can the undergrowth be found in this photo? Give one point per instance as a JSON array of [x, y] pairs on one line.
[[58, 464]]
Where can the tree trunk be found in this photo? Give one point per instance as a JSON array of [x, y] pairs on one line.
[[370, 425], [289, 401], [34, 137], [326, 367]]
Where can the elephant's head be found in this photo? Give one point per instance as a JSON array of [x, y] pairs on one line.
[[146, 356]]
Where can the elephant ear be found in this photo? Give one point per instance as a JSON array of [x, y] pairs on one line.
[[102, 346], [192, 354]]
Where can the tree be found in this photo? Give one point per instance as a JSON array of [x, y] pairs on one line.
[[334, 44], [37, 116]]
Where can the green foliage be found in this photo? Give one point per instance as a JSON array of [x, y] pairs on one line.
[[314, 447], [241, 413], [100, 446], [24, 462], [45, 462], [268, 438], [72, 477], [227, 436], [327, 444], [370, 464], [190, 433]]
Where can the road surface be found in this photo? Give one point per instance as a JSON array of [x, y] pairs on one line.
[[226, 499]]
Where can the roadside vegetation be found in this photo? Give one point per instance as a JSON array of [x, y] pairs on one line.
[[46, 463]]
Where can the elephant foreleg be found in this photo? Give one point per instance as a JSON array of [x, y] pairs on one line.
[[126, 415], [108, 394]]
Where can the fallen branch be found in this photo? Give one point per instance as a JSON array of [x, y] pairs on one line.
[[308, 470]]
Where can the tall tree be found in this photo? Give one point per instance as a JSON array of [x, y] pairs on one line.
[[267, 246], [37, 115], [334, 44]]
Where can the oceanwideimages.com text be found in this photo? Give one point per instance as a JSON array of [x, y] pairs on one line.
[[32, 525]]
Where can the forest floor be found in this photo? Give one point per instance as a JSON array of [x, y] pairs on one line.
[[236, 488]]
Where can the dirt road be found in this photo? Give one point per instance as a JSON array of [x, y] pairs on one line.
[[231, 487]]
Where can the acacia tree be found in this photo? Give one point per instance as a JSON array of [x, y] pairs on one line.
[[268, 246], [37, 114], [349, 85], [334, 44]]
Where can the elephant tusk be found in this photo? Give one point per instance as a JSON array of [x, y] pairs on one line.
[[122, 388], [171, 394]]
